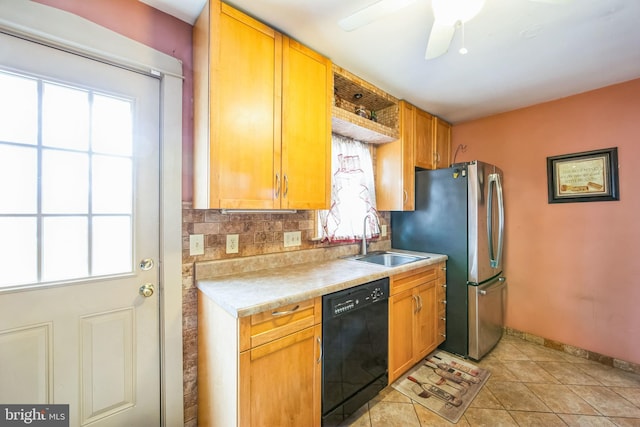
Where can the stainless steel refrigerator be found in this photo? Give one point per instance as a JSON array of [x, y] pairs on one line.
[[460, 213]]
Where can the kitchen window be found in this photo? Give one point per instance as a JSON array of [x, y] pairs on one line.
[[66, 174], [353, 195]]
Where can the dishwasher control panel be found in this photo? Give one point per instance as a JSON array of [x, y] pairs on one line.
[[345, 301]]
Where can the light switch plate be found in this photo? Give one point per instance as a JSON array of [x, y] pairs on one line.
[[232, 243], [383, 230], [196, 244]]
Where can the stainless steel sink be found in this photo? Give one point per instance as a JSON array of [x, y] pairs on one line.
[[388, 259]]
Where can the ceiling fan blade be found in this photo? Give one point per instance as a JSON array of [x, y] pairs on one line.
[[552, 1], [439, 39], [372, 13]]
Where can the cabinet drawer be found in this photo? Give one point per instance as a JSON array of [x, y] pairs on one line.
[[269, 325], [410, 279]]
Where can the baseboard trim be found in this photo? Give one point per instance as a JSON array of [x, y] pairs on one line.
[[575, 351]]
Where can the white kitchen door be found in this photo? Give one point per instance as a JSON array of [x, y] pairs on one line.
[[79, 236]]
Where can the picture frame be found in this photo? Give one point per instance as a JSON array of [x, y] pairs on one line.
[[589, 176]]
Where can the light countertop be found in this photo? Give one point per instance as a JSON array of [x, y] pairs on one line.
[[246, 293]]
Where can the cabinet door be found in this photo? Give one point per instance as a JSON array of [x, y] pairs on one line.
[[280, 382], [426, 326], [442, 144], [408, 169], [395, 166], [245, 111], [306, 128], [424, 142], [402, 309]]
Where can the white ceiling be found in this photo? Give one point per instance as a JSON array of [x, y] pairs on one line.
[[521, 52]]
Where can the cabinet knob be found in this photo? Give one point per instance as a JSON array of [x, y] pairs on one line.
[[444, 301]]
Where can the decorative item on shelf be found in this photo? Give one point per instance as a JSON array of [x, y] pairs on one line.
[[362, 112], [374, 116]]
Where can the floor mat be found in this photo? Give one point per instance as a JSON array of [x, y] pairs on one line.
[[443, 383]]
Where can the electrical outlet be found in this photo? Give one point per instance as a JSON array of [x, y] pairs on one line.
[[383, 230], [196, 244], [292, 238], [232, 243]]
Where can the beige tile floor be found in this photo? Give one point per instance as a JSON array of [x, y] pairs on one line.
[[530, 385]]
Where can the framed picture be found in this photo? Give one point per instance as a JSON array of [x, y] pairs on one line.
[[583, 177]]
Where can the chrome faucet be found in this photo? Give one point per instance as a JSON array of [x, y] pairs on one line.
[[363, 251]]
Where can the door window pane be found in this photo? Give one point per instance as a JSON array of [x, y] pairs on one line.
[[65, 182], [18, 179], [112, 252], [18, 109], [111, 185], [112, 127], [65, 117], [64, 248], [18, 251]]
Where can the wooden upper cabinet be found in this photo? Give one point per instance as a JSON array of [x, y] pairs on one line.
[[252, 109], [443, 143], [395, 166], [424, 140], [433, 141], [306, 128]]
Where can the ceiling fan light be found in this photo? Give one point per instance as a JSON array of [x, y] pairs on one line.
[[452, 11]]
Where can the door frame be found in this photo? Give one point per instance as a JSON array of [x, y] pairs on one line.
[[69, 32]]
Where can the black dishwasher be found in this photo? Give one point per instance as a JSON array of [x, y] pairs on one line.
[[354, 347]]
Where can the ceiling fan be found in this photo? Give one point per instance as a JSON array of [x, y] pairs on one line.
[[448, 14]]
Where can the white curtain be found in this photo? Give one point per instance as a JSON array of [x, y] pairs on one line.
[[353, 194]]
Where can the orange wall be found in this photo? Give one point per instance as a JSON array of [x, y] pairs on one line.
[[572, 267]]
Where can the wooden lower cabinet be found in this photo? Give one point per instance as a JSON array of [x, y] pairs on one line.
[[260, 370], [280, 381], [414, 317]]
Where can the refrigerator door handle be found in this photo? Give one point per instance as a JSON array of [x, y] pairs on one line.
[[495, 255], [498, 287]]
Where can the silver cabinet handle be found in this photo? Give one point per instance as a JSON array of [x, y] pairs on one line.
[[415, 300], [420, 301], [319, 346], [284, 313], [277, 185], [286, 186], [405, 196]]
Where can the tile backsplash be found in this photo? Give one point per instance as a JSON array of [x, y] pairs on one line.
[[259, 234]]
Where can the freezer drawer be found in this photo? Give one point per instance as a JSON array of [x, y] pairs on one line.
[[486, 316]]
